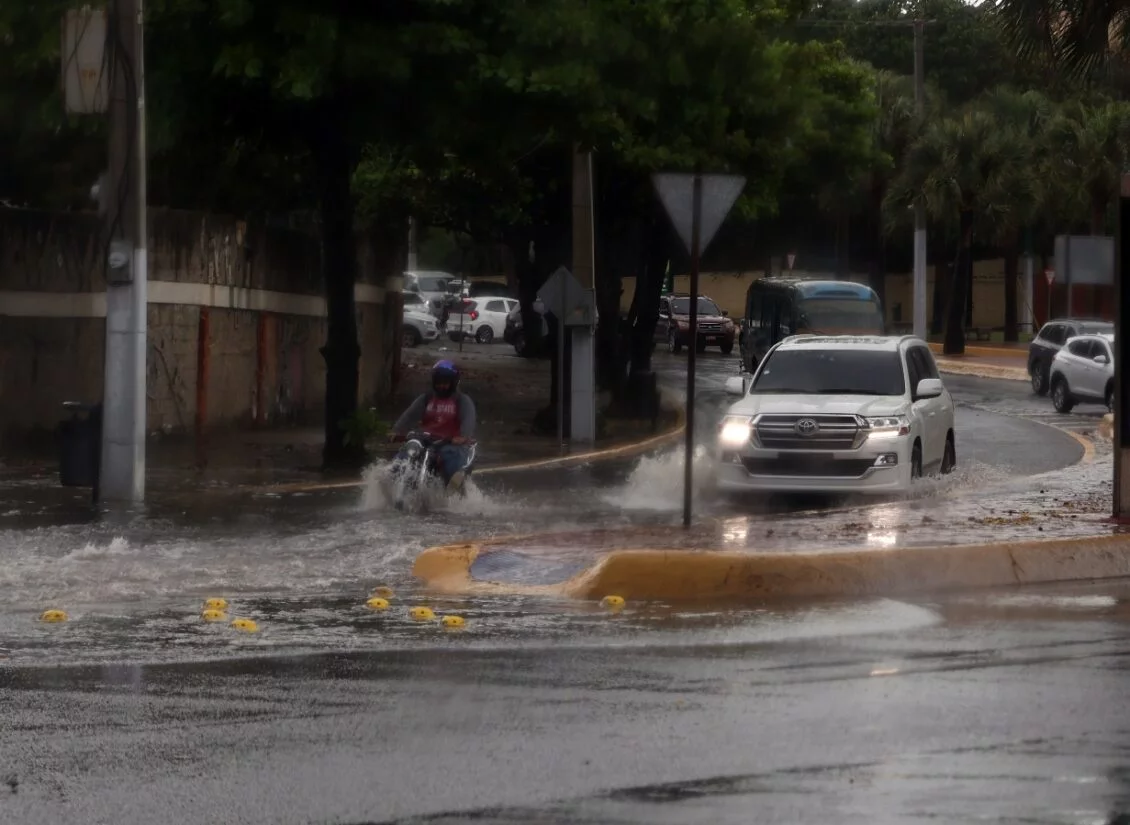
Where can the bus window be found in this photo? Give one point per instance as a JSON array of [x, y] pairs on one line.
[[840, 316]]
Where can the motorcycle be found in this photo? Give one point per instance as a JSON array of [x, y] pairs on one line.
[[416, 471]]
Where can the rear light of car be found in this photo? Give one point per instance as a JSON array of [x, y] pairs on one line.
[[474, 315]]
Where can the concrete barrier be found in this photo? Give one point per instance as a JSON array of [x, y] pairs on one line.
[[681, 575]]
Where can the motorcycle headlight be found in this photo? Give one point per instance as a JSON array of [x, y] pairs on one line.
[[889, 426], [412, 449], [735, 431]]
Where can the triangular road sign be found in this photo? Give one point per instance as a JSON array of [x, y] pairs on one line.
[[676, 192]]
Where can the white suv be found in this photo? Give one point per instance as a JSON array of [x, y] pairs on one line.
[[1083, 371], [837, 414]]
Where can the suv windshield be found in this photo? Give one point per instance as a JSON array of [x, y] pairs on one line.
[[831, 372], [682, 306]]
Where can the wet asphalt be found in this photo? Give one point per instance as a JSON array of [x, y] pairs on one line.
[[989, 707], [993, 706]]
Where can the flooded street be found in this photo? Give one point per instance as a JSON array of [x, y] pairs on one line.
[[302, 564]]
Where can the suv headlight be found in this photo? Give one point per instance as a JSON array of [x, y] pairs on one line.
[[888, 426], [735, 431]]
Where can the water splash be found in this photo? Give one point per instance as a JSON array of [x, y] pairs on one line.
[[656, 483]]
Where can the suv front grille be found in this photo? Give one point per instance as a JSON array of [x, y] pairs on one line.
[[832, 432], [807, 466]]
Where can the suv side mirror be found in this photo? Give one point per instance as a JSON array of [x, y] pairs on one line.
[[929, 388], [725, 313], [1101, 359], [736, 385]]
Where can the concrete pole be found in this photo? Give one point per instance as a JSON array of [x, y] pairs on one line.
[[919, 292], [582, 344], [124, 391]]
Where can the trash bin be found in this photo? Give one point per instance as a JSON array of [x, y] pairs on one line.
[[80, 445]]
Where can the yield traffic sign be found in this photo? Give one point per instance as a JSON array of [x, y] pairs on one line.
[[676, 192]]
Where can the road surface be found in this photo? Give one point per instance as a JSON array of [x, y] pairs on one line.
[[991, 707]]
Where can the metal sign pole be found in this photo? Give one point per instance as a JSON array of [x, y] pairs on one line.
[[692, 350], [561, 369]]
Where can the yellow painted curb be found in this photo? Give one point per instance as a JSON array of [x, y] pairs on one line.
[[984, 352], [683, 575], [609, 453], [1106, 427]]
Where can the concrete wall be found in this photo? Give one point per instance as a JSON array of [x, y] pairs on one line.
[[235, 317], [728, 290]]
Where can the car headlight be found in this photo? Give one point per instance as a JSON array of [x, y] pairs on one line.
[[888, 426], [735, 431]]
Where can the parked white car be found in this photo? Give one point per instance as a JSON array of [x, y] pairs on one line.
[[483, 319], [418, 326], [1083, 372], [838, 414]]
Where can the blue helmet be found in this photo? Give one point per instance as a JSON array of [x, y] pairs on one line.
[[445, 371]]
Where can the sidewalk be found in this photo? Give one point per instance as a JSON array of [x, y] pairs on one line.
[[1008, 362]]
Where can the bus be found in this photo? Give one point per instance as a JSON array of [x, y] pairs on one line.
[[779, 307]]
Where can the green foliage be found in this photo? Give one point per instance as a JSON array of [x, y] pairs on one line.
[[362, 426]]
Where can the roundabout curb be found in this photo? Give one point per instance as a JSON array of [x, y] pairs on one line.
[[689, 575]]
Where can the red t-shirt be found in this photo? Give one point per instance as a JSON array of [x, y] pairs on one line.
[[441, 417]]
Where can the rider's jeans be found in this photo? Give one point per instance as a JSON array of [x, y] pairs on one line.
[[452, 458]]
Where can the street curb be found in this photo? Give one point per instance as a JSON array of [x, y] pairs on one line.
[[629, 450], [954, 367], [984, 352], [683, 575]]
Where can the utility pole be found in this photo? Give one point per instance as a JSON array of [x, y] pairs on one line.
[[581, 340], [919, 296], [124, 392]]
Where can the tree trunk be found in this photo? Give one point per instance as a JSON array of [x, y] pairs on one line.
[[843, 247], [959, 281], [1098, 216], [879, 277], [645, 302], [1011, 292], [938, 316], [339, 269]]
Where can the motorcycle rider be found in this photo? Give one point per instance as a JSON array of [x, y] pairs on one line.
[[446, 413]]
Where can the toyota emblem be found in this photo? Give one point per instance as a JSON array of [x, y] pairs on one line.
[[806, 427]]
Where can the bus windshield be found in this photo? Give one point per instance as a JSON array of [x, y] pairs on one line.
[[839, 316]]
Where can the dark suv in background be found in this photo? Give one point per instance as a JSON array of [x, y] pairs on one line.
[[1050, 340]]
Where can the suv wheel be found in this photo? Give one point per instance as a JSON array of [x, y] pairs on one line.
[[1039, 379], [916, 462], [673, 345], [727, 347], [485, 335], [949, 458], [520, 343], [1110, 397], [410, 337], [1061, 395]]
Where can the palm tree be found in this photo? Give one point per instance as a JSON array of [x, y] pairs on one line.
[[964, 168], [1024, 118], [1089, 146], [1076, 37]]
